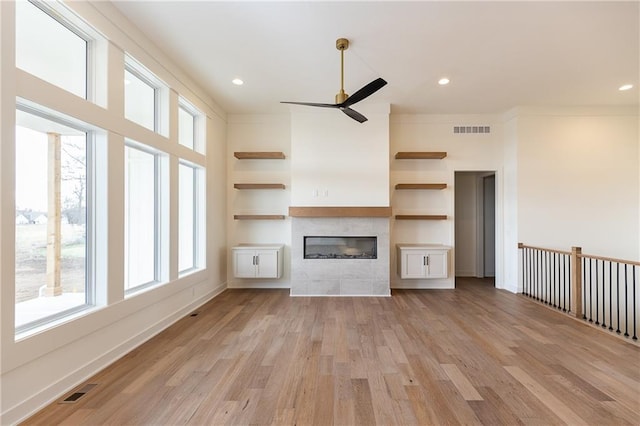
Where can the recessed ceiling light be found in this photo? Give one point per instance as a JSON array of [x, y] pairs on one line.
[[625, 87], [443, 81], [237, 82]]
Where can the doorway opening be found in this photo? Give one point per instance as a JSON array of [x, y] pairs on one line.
[[475, 224]]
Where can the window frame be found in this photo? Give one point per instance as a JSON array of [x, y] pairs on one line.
[[90, 218], [90, 36], [161, 103], [136, 73], [187, 107], [196, 228], [157, 218], [193, 126]]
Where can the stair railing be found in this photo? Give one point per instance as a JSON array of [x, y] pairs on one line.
[[600, 290]]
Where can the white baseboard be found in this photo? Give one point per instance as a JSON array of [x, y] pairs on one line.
[[258, 284], [421, 286], [341, 295]]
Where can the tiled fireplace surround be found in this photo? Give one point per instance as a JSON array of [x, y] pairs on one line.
[[340, 277]]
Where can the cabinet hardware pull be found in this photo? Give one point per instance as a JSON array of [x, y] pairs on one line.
[[427, 257]]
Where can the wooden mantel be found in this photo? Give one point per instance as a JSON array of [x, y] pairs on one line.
[[339, 211]]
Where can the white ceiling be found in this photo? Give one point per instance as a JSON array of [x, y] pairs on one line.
[[498, 55]]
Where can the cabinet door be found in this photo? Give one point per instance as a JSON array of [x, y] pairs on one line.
[[413, 264], [437, 264], [244, 264], [267, 264]]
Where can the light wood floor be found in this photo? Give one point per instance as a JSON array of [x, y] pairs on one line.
[[474, 355]]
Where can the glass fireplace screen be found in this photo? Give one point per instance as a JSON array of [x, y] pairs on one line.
[[340, 248]]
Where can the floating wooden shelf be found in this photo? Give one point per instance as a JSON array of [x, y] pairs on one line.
[[421, 217], [258, 185], [339, 211], [420, 155], [421, 186], [250, 155], [258, 217]]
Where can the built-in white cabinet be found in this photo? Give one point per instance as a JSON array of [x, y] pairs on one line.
[[257, 260], [422, 261]]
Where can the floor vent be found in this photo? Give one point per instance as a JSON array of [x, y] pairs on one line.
[[75, 397], [471, 129]]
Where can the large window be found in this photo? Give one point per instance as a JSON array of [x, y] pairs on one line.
[[50, 50], [190, 213], [53, 219], [68, 187], [190, 126], [142, 218], [186, 127], [139, 99], [146, 97]]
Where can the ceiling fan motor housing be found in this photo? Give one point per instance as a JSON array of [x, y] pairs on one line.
[[341, 97]]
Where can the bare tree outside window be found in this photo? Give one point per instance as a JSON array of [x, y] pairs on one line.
[[74, 175]]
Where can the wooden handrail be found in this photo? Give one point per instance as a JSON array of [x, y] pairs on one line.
[[610, 259], [520, 245], [589, 256]]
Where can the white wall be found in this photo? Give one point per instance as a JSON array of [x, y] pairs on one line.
[[344, 162], [41, 367], [578, 179], [258, 133], [465, 152], [563, 177], [507, 217]]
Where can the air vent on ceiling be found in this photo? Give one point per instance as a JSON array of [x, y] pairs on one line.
[[471, 129]]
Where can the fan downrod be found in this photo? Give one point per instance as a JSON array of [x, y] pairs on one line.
[[342, 44]]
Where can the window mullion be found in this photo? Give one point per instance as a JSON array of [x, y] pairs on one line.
[[157, 219], [195, 217], [90, 213]]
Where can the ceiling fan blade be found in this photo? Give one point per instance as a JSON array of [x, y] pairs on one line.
[[313, 104], [366, 91], [354, 114]]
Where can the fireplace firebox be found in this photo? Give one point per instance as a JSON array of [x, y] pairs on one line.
[[340, 247]]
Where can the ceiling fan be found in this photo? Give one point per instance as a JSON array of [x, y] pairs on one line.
[[344, 101]]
